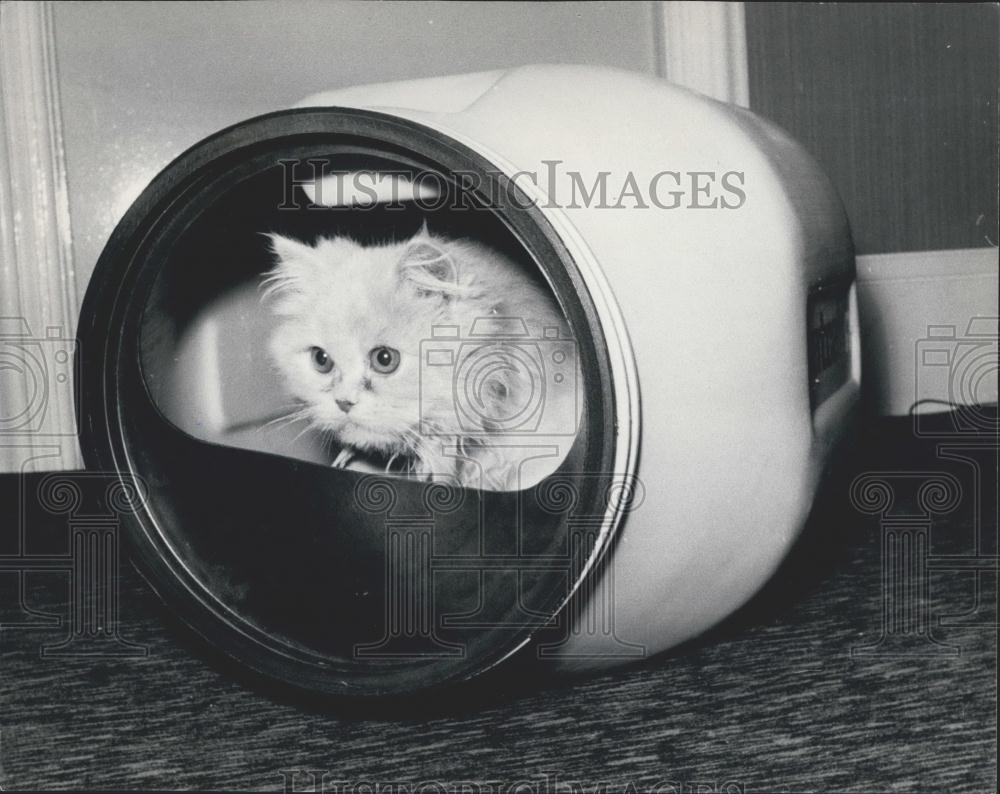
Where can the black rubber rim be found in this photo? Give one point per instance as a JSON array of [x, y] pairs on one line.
[[119, 289]]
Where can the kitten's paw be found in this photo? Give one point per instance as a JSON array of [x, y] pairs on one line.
[[344, 457]]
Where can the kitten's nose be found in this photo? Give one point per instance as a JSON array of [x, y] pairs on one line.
[[345, 405]]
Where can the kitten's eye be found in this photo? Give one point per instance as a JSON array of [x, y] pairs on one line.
[[321, 361], [385, 360]]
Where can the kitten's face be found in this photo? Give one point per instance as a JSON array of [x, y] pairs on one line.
[[348, 339]]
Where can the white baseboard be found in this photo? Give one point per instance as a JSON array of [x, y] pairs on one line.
[[929, 328]]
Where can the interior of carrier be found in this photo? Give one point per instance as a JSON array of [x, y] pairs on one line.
[[295, 565], [205, 329]]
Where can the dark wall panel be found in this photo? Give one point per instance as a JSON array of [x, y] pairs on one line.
[[898, 102]]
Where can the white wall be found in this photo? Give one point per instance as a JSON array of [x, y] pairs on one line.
[[140, 82], [96, 98]]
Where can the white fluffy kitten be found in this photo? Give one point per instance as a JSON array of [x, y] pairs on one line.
[[348, 343]]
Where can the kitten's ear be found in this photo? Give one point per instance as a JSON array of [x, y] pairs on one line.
[[288, 250], [295, 260], [427, 265]]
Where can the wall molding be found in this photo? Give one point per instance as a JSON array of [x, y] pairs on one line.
[[703, 46], [38, 298], [914, 301]]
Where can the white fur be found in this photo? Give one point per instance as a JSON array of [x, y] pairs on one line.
[[347, 299]]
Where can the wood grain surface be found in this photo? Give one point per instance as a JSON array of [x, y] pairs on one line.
[[774, 700]]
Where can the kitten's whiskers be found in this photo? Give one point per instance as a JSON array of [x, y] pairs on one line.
[[298, 415]]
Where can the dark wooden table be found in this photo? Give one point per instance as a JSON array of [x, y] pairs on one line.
[[823, 683]]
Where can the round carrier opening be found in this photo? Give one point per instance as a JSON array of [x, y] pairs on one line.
[[227, 338]]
